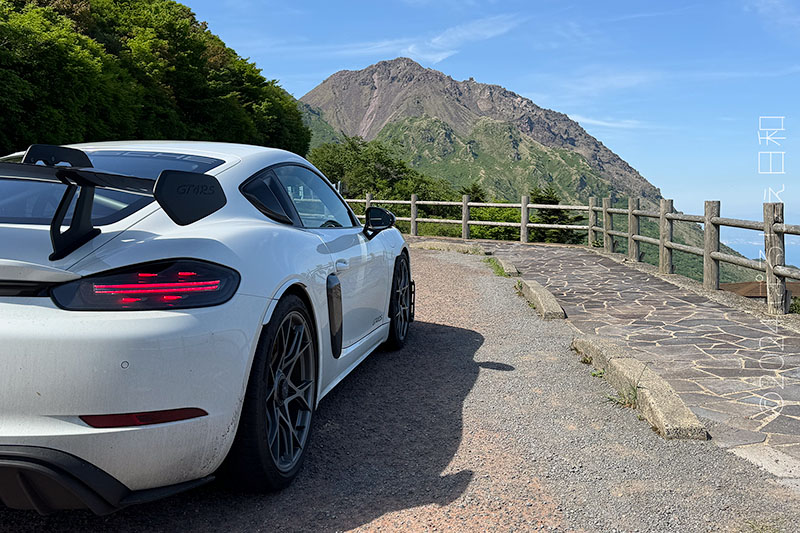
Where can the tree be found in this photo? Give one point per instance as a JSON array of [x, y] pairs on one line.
[[495, 214], [57, 85], [549, 196], [474, 191], [372, 167], [80, 70]]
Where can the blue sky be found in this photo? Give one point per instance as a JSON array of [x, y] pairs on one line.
[[675, 88]]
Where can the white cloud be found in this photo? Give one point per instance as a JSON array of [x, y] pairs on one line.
[[609, 122], [449, 41], [573, 90], [425, 54], [782, 15], [738, 74], [650, 14], [477, 30], [426, 49], [778, 9], [576, 89], [592, 82], [453, 4]]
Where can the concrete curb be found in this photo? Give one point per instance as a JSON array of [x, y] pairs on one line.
[[545, 303], [655, 398], [442, 246], [508, 267]]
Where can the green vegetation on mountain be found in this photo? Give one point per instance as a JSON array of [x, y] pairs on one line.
[[93, 70], [321, 131], [495, 155]]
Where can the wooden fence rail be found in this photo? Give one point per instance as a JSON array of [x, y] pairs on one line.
[[772, 225]]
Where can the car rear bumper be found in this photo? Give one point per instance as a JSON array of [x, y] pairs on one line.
[[60, 365], [50, 480]]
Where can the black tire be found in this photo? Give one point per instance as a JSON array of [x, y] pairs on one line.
[[277, 414], [400, 303]]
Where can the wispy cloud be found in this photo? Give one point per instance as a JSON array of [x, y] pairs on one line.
[[274, 8], [782, 15], [600, 80], [458, 4], [565, 90], [449, 41], [650, 14], [739, 74], [778, 10], [574, 33], [627, 124], [430, 49]]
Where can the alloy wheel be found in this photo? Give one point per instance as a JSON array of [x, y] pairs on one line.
[[290, 386], [402, 294]]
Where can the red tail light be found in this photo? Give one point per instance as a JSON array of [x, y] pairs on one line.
[[177, 284]]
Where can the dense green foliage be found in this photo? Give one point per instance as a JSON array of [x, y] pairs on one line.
[[371, 167], [89, 70], [492, 214]]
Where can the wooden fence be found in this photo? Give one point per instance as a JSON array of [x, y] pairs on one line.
[[772, 226]]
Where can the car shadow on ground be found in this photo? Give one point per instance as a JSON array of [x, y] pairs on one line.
[[382, 442]]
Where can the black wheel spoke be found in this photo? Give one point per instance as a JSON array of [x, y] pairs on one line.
[[273, 430], [295, 349], [301, 394]]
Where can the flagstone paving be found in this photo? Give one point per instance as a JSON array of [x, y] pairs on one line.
[[738, 373]]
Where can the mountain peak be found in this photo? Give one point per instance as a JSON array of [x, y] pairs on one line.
[[366, 102], [399, 61]]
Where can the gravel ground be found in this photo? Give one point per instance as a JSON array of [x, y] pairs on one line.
[[486, 421]]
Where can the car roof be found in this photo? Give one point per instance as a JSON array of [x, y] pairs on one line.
[[230, 152], [245, 158]]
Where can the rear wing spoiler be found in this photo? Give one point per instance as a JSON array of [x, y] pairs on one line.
[[186, 197]]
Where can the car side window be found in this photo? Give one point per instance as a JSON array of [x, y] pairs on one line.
[[315, 201], [263, 191]]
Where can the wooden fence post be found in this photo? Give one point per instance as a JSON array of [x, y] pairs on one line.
[[369, 200], [465, 216], [711, 245], [775, 251], [592, 220], [414, 214], [523, 219], [608, 224], [664, 236], [633, 229]]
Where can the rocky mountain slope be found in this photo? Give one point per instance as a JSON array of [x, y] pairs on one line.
[[466, 131]]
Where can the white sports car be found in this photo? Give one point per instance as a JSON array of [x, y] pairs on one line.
[[169, 310]]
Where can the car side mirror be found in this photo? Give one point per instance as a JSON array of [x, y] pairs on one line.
[[377, 220]]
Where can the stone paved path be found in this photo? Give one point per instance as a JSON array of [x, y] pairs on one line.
[[739, 374]]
